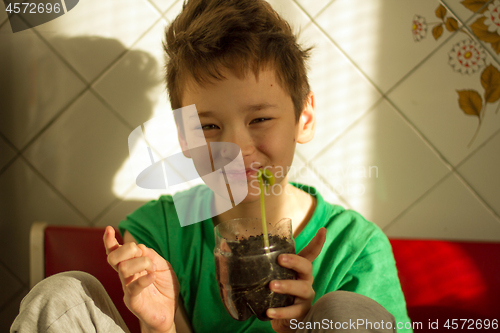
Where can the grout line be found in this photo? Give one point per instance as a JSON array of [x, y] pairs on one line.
[[52, 121], [419, 199], [7, 268], [16, 153], [111, 109], [323, 9], [347, 129], [16, 295], [346, 56], [152, 4], [476, 39], [478, 197], [420, 63], [123, 54], [169, 8], [421, 135], [56, 191], [8, 164], [313, 169], [2, 23], [113, 204], [477, 149]]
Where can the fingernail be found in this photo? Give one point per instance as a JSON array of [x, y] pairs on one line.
[[285, 258], [271, 312], [277, 285]]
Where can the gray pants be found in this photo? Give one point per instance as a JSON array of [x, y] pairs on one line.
[[77, 302]]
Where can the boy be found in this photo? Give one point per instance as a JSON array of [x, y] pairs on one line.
[[239, 63]]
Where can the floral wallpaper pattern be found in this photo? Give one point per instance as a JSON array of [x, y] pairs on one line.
[[469, 56]]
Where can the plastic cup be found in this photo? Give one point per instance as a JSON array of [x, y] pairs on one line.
[[244, 267]]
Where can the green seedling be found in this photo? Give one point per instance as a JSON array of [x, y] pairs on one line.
[[265, 178]]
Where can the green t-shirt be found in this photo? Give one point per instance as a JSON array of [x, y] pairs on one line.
[[357, 256]]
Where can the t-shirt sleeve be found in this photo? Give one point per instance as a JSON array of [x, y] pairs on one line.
[[374, 275], [148, 226]]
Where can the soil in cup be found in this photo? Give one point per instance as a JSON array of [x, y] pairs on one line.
[[244, 275]]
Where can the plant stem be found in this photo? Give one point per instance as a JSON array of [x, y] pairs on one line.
[[263, 215], [475, 134]]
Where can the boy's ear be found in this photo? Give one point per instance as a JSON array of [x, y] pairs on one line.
[[307, 121], [183, 143]]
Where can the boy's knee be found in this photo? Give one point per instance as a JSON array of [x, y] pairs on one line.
[[344, 306], [65, 286]]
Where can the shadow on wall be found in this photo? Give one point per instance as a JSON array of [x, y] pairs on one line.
[[70, 142]]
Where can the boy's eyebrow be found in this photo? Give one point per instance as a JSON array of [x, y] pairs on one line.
[[250, 108]]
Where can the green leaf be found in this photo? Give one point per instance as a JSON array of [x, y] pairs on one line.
[[267, 176], [470, 102]]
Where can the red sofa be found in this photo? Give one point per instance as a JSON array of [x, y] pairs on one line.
[[441, 280]]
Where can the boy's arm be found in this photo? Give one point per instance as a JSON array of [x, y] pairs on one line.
[[181, 320]]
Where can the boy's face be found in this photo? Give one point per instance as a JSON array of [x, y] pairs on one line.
[[258, 116]]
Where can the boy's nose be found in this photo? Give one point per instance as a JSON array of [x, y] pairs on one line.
[[240, 137]]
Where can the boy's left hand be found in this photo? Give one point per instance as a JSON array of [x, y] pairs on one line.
[[301, 288]]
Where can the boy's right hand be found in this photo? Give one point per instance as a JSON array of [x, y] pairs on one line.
[[149, 283]]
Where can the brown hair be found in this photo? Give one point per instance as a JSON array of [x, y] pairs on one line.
[[240, 35]]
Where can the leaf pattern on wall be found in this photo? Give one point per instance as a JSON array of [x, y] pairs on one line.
[[475, 5], [468, 56], [490, 80]]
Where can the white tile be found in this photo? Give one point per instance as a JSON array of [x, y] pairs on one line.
[[429, 99], [26, 199], [119, 212], [481, 172], [135, 86], [313, 7], [380, 166], [463, 12], [450, 211], [307, 176], [377, 35], [163, 5], [11, 311], [7, 153], [95, 32], [40, 85], [342, 94], [9, 286], [87, 144], [173, 11], [291, 12]]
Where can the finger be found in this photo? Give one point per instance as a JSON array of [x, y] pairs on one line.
[[150, 253], [299, 264], [300, 289], [136, 287], [295, 311], [110, 242], [125, 252], [129, 268], [313, 249]]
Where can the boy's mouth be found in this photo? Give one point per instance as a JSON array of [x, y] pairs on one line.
[[249, 172]]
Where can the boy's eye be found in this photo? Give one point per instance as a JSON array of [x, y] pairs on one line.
[[209, 127], [259, 120]]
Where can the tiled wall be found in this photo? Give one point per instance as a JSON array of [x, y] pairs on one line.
[[393, 140]]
